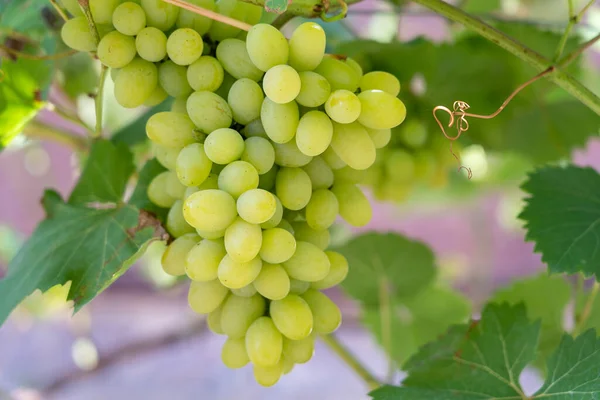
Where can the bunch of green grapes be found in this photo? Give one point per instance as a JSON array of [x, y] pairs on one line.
[[259, 129]]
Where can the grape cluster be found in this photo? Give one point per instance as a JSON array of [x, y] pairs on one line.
[[258, 131]]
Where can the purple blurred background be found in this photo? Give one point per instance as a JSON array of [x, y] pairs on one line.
[[134, 341]]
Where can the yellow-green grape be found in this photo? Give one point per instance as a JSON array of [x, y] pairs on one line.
[[209, 111], [102, 10], [157, 191], [174, 187], [205, 74], [322, 209], [256, 206], [173, 259], [116, 50], [260, 153], [355, 66], [245, 99], [380, 137], [293, 215], [224, 146], [354, 205], [266, 181], [400, 166], [273, 282], [104, 29], [314, 133], [303, 232], [202, 262], [293, 187], [309, 263], [339, 74], [232, 54], [199, 23], [288, 365], [413, 133], [135, 83], [353, 145], [212, 182], [292, 317], [266, 46], [350, 175], [238, 177], [193, 165], [252, 13], [268, 376], [173, 78], [243, 240], [246, 291], [320, 173], [280, 121], [159, 14], [238, 313], [264, 342], [255, 129], [343, 106], [236, 275], [289, 155], [380, 110], [299, 351], [233, 353], [184, 46], [72, 7], [284, 224], [158, 96], [332, 159], [213, 320], [179, 105], [314, 89], [380, 80], [327, 316], [281, 84], [337, 272], [151, 44], [210, 210], [219, 31], [129, 18], [166, 156], [206, 297], [76, 34], [276, 218], [278, 245], [298, 287], [176, 223], [171, 129], [211, 235], [307, 46]]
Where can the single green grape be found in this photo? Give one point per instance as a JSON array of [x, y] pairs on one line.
[[159, 14], [243, 241], [276, 218], [76, 34], [273, 282], [314, 89], [193, 165], [289, 155], [264, 342], [309, 263], [199, 23], [268, 376], [299, 351], [175, 188], [327, 316], [353, 145], [157, 191], [293, 187], [303, 232], [206, 297], [320, 173], [256, 206], [202, 262], [380, 110], [234, 353], [343, 106], [205, 74], [337, 272], [332, 159], [232, 54], [176, 223], [281, 84], [380, 137], [236, 275], [184, 46], [213, 320], [322, 209], [238, 313], [102, 10], [151, 44], [307, 46], [278, 245], [209, 111], [354, 205], [266, 46], [314, 133], [245, 99], [380, 80], [280, 121], [223, 146], [173, 78], [171, 129], [210, 210], [129, 18], [339, 74], [292, 316], [220, 31], [173, 259], [72, 7], [238, 177], [260, 153], [158, 96], [179, 105], [166, 156], [135, 83]]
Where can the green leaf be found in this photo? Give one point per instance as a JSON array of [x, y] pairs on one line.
[[402, 265], [20, 94], [546, 298], [418, 320], [105, 175], [562, 216], [276, 6], [139, 198], [574, 369], [135, 132], [23, 16], [85, 246], [481, 361]]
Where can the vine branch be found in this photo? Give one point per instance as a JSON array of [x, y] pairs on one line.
[[335, 345], [56, 56], [59, 10], [36, 130], [587, 309], [533, 58], [99, 101], [574, 19], [311, 8], [87, 12], [215, 16]]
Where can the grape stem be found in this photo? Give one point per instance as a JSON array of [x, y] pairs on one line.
[[582, 318], [59, 10], [312, 8], [352, 362], [36, 130], [36, 57], [210, 14], [85, 7], [574, 19], [99, 100], [533, 58]]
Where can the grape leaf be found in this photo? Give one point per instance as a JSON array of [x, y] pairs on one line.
[[482, 360], [402, 265], [105, 175], [135, 132], [418, 320], [276, 6], [139, 198], [83, 245], [562, 216], [546, 298], [23, 16]]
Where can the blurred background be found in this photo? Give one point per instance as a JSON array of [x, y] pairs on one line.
[[139, 339]]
